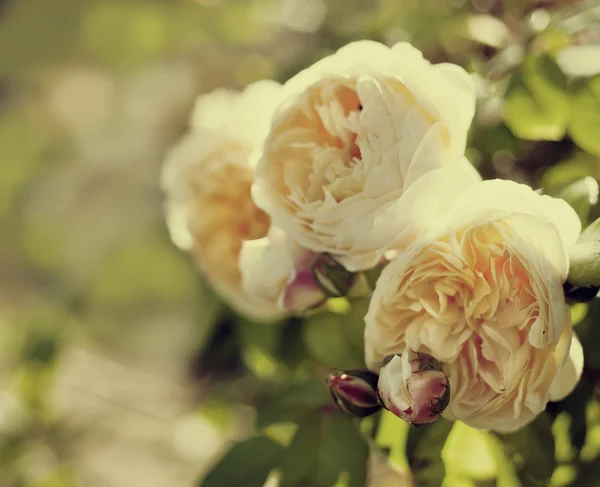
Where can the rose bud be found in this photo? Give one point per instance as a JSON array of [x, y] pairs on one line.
[[331, 277], [275, 270], [413, 386], [355, 391], [302, 293]]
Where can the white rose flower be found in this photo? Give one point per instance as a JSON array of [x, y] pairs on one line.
[[482, 293], [359, 141], [207, 178]]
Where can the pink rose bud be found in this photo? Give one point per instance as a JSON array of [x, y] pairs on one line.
[[413, 386], [302, 293], [332, 278], [355, 391]]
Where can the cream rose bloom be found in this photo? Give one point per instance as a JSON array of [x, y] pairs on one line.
[[353, 150], [207, 178], [482, 292]]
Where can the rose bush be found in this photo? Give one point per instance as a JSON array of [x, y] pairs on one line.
[[355, 147], [482, 292]]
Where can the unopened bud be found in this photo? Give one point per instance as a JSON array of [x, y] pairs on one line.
[[355, 391], [413, 386], [332, 277]]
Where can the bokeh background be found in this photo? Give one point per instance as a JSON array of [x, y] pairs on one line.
[[113, 352]]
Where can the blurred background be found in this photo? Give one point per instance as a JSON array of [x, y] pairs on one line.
[[112, 349]]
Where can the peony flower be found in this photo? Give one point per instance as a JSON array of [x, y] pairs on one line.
[[368, 143], [482, 292], [413, 386], [207, 178]]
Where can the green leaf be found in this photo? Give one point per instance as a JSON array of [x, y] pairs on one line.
[[291, 402], [391, 436], [531, 450], [581, 195], [324, 450], [467, 453], [537, 100], [557, 178], [247, 463], [291, 350], [424, 452], [584, 269], [584, 125], [326, 336]]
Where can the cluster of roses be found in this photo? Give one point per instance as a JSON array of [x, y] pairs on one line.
[[358, 162]]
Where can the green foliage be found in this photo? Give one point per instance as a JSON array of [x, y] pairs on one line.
[[424, 452], [531, 451], [247, 463], [333, 453], [537, 100], [335, 339], [584, 125], [582, 195], [292, 401]]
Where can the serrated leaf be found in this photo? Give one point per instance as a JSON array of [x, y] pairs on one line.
[[424, 452], [291, 402], [537, 100], [584, 125], [531, 450], [325, 448], [247, 463]]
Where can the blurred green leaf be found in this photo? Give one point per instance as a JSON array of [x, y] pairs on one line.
[[424, 452], [578, 313], [581, 165], [327, 338], [138, 31], [247, 463], [584, 125], [289, 403], [466, 453], [570, 425], [537, 101], [266, 337], [531, 450], [391, 436], [292, 349], [330, 447], [581, 195]]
